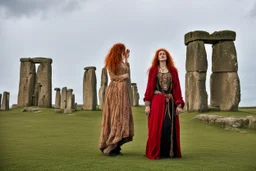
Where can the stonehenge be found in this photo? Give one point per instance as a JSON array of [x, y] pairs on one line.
[[35, 84], [228, 122], [103, 87], [63, 104], [64, 100], [224, 81], [4, 104], [135, 95], [57, 98], [35, 88], [89, 88]]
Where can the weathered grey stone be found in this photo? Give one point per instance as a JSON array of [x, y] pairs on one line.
[[129, 86], [0, 100], [58, 111], [228, 122], [44, 77], [225, 91], [224, 57], [57, 98], [196, 95], [73, 101], [103, 87], [6, 101], [224, 35], [89, 89], [26, 60], [35, 88], [30, 109], [196, 57], [135, 94], [26, 83], [69, 98], [35, 93], [196, 35], [75, 107], [90, 67], [67, 111], [35, 96], [232, 122], [14, 106], [252, 122], [206, 118], [42, 60], [63, 104]]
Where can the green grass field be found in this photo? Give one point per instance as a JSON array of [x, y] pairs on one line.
[[51, 141]]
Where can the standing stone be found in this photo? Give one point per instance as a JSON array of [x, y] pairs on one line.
[[44, 76], [225, 91], [73, 101], [224, 57], [224, 83], [103, 87], [135, 94], [5, 102], [35, 94], [0, 100], [196, 67], [129, 86], [57, 98], [69, 99], [89, 89], [196, 95], [196, 57], [27, 82], [63, 104], [39, 86]]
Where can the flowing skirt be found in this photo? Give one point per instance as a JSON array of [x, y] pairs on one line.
[[117, 119], [163, 129]]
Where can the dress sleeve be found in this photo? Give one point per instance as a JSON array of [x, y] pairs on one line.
[[177, 95], [151, 85]]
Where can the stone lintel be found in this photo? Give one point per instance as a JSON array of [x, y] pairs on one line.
[[90, 67], [215, 37]]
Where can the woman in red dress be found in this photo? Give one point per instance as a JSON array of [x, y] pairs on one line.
[[163, 100]]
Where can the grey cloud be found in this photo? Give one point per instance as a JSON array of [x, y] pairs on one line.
[[28, 8], [253, 10]]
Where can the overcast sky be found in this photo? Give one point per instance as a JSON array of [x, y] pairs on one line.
[[79, 33]]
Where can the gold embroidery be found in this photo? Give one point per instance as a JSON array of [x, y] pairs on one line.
[[165, 80]]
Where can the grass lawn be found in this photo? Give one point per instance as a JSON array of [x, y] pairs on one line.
[[51, 141]]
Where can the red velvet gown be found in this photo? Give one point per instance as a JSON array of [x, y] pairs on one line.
[[163, 123]]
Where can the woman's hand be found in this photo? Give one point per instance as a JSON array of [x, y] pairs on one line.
[[147, 110], [178, 109], [126, 55], [126, 76]]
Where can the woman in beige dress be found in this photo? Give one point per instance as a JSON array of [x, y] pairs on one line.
[[117, 120]]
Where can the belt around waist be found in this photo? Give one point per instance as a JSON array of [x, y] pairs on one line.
[[166, 95]]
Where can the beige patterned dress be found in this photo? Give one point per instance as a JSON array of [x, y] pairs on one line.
[[117, 120]]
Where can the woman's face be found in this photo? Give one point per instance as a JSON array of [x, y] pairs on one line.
[[162, 56]]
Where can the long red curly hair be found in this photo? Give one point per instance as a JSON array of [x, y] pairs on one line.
[[169, 62], [114, 57]]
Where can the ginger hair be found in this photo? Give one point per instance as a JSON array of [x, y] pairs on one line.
[[114, 57], [169, 62]]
